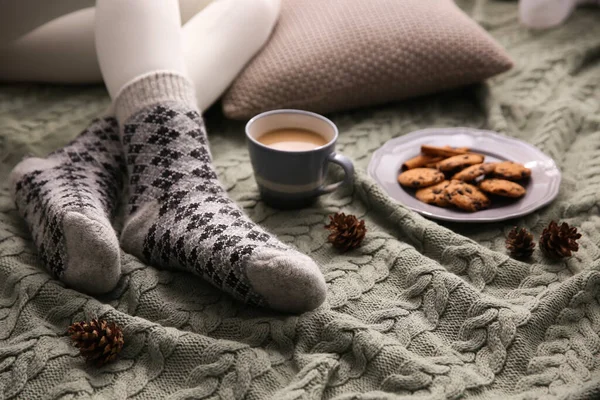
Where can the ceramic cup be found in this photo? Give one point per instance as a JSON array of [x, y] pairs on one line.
[[293, 179]]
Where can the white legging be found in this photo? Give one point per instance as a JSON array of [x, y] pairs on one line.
[[62, 41]]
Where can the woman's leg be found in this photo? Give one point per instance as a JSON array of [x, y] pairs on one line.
[[220, 40], [135, 37], [214, 45], [178, 215], [220, 37]]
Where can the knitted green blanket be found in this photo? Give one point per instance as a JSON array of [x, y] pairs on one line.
[[421, 310]]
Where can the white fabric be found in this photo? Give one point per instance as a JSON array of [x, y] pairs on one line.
[[219, 38], [542, 14], [135, 37]]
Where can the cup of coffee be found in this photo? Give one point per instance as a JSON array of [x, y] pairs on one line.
[[290, 151]]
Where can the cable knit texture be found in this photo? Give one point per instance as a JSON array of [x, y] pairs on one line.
[[420, 310]]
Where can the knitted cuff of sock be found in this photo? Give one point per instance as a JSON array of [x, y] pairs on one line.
[[153, 88]]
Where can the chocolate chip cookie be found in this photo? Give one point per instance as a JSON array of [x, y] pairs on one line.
[[465, 196], [420, 177], [434, 194], [474, 171], [459, 162], [445, 151], [502, 187], [511, 170]]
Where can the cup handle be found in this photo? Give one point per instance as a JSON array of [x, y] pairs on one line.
[[348, 168]]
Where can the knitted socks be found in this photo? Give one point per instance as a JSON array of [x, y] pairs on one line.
[[67, 200], [180, 216]]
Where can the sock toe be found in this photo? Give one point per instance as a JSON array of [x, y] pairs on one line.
[[93, 254], [288, 280]]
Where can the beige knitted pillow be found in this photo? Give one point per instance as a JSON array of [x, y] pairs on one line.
[[329, 55]]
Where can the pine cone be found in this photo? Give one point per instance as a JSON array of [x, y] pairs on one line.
[[98, 341], [520, 243], [559, 241], [347, 231]]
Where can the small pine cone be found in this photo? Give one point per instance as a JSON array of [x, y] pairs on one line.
[[520, 243], [98, 341], [347, 231], [559, 241]]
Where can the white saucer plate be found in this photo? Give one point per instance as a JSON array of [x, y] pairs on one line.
[[542, 187]]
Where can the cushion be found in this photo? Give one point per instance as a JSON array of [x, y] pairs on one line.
[[330, 55]]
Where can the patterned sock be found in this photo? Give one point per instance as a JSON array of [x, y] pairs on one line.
[[180, 216], [67, 200]]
